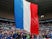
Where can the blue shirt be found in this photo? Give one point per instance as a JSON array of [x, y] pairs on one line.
[[0, 36], [8, 38]]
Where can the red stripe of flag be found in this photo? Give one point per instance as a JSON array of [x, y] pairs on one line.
[[34, 19]]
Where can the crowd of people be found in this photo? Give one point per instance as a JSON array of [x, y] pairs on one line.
[[13, 33], [45, 34], [22, 34]]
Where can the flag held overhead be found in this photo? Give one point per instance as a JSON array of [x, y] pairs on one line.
[[26, 16]]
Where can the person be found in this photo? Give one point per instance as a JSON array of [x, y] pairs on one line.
[[28, 36], [0, 35], [32, 36], [8, 37], [35, 37], [15, 35], [24, 36], [40, 35], [51, 34], [48, 35], [18, 36]]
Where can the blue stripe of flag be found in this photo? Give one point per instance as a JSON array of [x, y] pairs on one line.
[[18, 11]]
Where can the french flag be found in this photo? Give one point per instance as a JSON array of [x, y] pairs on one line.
[[26, 16]]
